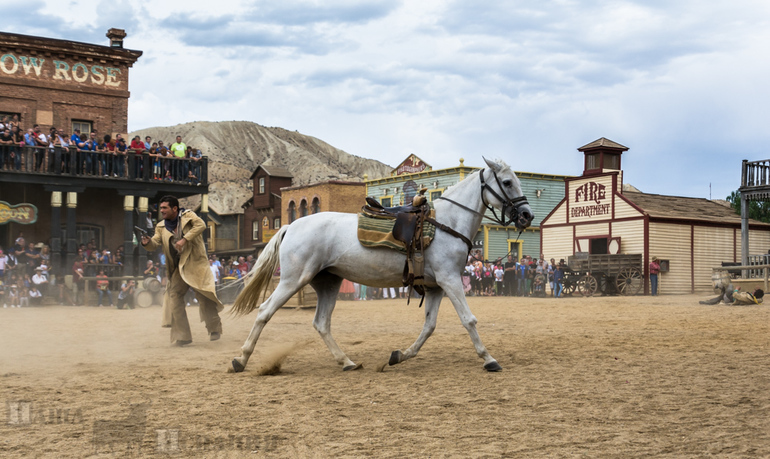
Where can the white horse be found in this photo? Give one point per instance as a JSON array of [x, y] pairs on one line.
[[322, 249]]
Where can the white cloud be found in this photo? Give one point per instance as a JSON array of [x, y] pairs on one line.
[[683, 84]]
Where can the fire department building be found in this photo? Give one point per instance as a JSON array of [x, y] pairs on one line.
[[689, 235], [72, 85]]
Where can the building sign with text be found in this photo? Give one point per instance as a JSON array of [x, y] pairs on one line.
[[25, 214], [42, 68], [411, 165], [590, 200]]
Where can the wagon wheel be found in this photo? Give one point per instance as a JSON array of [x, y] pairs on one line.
[[629, 281], [569, 287], [587, 285]]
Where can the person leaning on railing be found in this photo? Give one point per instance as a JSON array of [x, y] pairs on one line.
[[63, 142], [155, 162], [82, 162], [7, 147], [120, 157]]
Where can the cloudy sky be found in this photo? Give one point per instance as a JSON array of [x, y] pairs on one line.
[[681, 83]]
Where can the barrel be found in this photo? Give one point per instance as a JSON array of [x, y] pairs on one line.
[[143, 298], [157, 298], [152, 284]]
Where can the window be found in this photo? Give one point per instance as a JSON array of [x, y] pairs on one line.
[[85, 233], [277, 223], [261, 185], [292, 212], [386, 202], [592, 161], [255, 230], [598, 246], [85, 127], [316, 207], [435, 195], [265, 222], [10, 117], [303, 208], [514, 248], [611, 161]]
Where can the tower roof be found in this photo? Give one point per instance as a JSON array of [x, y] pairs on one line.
[[603, 142]]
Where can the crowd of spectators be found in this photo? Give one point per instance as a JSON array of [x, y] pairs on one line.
[[229, 269], [526, 277], [24, 273], [96, 155], [25, 278]]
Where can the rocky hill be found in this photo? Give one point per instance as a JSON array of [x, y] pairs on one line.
[[236, 148]]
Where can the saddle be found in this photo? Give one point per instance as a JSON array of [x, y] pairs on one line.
[[408, 229]]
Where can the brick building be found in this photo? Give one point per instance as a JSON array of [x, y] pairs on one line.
[[65, 83], [329, 196], [80, 195], [262, 212]]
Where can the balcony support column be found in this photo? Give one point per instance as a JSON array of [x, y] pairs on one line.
[[56, 245], [72, 231], [128, 235], [141, 258]]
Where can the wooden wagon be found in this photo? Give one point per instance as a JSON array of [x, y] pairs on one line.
[[610, 274]]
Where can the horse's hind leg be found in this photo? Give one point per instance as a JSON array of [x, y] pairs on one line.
[[280, 296], [433, 298], [327, 286]]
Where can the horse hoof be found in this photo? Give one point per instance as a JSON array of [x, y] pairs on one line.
[[237, 366], [353, 367], [395, 357], [493, 366]]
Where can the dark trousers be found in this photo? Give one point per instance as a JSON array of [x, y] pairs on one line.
[[509, 286]]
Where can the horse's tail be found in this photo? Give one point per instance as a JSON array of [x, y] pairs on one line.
[[258, 279]]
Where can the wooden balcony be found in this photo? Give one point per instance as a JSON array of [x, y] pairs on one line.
[[755, 180], [73, 167]]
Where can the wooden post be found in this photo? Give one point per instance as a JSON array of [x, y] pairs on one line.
[[128, 235], [141, 263], [56, 243], [744, 233], [72, 241]]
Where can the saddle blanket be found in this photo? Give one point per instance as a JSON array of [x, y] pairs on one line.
[[377, 232]]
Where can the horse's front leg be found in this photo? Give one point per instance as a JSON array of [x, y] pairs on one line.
[[454, 291], [433, 298]]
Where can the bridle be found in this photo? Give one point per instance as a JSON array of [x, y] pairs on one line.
[[508, 203]]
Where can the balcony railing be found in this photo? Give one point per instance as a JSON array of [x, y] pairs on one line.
[[129, 165], [755, 173]]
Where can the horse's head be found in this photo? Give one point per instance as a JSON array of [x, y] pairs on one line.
[[502, 189]]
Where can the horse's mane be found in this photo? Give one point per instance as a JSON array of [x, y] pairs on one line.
[[503, 166]]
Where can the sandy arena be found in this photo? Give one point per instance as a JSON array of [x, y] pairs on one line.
[[582, 377]]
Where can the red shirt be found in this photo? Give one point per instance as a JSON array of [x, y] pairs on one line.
[[654, 267], [137, 145]]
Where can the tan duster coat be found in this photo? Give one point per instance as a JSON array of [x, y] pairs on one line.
[[193, 261]]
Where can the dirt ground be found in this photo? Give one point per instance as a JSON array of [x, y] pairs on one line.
[[587, 377]]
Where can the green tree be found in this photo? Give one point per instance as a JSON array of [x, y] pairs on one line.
[[758, 210]]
